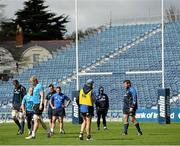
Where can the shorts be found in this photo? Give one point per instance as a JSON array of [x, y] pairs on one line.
[[29, 115], [58, 112], [36, 109], [89, 113], [50, 113], [17, 114], [126, 112], [17, 107]]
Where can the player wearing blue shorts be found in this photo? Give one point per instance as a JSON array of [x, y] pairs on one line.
[[27, 108], [17, 115], [86, 103], [38, 107], [129, 107], [57, 103]]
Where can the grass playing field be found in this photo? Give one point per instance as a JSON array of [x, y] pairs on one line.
[[153, 134]]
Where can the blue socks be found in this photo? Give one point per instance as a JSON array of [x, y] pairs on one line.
[[126, 128], [22, 126]]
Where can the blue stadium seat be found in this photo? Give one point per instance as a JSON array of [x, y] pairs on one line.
[[110, 45]]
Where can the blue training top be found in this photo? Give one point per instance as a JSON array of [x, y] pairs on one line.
[[36, 93], [58, 100], [28, 102], [130, 98]]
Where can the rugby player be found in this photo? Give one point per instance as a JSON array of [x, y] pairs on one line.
[[38, 107], [129, 107], [57, 103], [27, 108], [17, 115], [47, 102], [86, 104]]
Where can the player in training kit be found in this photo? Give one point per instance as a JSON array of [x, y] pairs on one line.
[[27, 108], [57, 103], [102, 106], [38, 107], [86, 104], [130, 106], [17, 115], [66, 101], [47, 100]]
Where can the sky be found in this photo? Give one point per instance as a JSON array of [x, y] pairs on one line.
[[93, 13]]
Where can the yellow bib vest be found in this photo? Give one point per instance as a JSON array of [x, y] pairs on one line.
[[85, 99]]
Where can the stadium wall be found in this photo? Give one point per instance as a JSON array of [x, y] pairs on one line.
[[143, 115], [151, 115]]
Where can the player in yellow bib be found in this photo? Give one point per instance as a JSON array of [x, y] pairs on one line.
[[86, 104], [85, 99]]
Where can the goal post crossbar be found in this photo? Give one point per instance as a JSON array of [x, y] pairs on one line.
[[116, 73], [144, 72], [95, 73]]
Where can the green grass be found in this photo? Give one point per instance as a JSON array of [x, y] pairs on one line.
[[153, 134]]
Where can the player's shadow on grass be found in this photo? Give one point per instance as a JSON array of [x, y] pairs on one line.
[[77, 133], [158, 134], [63, 136], [115, 139]]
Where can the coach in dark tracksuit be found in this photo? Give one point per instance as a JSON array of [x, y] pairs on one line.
[[102, 106], [130, 106]]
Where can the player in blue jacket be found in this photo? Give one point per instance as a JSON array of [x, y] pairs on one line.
[[129, 107], [27, 108]]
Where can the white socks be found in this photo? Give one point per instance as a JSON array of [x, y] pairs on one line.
[[33, 133], [52, 130]]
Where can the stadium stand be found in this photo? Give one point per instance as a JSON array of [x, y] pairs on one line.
[[116, 49]]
